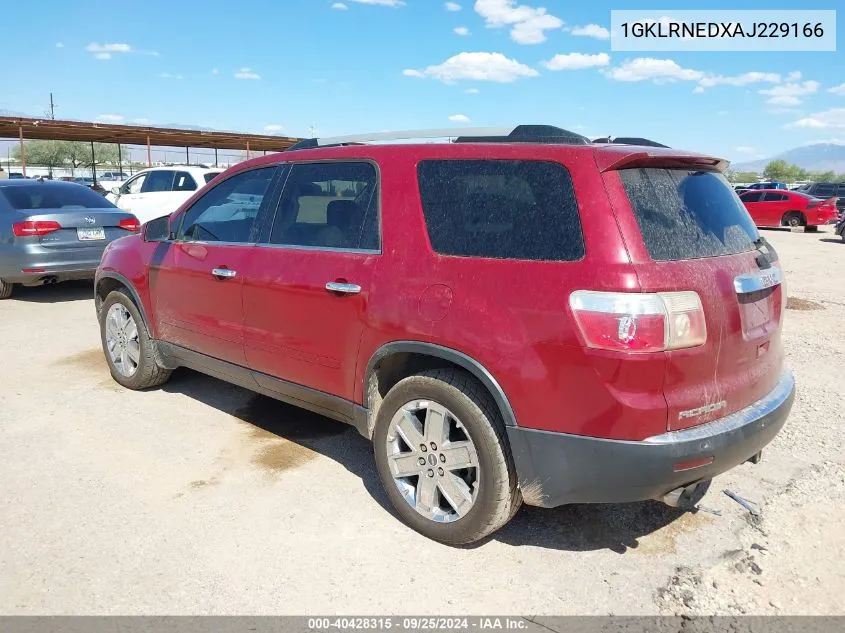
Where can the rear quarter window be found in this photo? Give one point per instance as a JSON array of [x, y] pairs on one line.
[[688, 214], [504, 209]]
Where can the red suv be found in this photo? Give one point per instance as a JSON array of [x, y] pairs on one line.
[[774, 207], [522, 318]]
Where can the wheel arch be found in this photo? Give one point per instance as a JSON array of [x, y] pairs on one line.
[[398, 359], [110, 281]]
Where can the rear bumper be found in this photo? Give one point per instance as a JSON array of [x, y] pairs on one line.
[[62, 263], [557, 468]]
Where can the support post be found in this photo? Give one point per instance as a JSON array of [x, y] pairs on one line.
[[247, 150], [215, 157], [93, 164], [119, 159], [23, 151], [187, 156], [149, 153]]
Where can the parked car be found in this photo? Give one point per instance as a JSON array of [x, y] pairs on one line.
[[827, 190], [788, 208], [840, 227], [768, 185], [389, 292], [54, 231], [111, 179], [158, 191]]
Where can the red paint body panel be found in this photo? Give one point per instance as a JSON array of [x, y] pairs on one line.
[[512, 317]]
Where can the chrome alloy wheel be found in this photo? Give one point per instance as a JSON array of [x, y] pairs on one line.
[[122, 342], [433, 461]]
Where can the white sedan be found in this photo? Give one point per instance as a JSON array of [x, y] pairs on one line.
[[159, 191]]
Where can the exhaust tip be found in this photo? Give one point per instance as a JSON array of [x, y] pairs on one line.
[[687, 497]]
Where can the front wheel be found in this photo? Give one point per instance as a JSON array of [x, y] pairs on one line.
[[5, 289], [129, 350], [443, 459]]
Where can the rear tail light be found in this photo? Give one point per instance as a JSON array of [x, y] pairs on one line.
[[636, 322], [130, 224], [31, 228]]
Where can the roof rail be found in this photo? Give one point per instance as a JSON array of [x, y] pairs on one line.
[[518, 134], [629, 140]]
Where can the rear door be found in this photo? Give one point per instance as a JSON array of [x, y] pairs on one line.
[[197, 285], [308, 284], [686, 230], [753, 201], [775, 205]]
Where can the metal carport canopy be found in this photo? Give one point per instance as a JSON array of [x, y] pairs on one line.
[[51, 129]]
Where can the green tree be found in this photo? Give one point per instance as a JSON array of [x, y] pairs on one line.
[[777, 170], [48, 154], [823, 176], [745, 176]]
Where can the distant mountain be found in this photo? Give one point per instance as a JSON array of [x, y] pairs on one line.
[[816, 157]]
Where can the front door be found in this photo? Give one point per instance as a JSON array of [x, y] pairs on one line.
[[197, 286], [307, 286]]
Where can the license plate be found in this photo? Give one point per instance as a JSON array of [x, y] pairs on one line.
[[756, 314], [87, 235]]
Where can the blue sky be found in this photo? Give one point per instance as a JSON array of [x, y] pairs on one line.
[[286, 66]]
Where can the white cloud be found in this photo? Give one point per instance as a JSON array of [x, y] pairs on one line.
[[273, 128], [794, 76], [789, 94], [739, 80], [838, 90], [170, 76], [102, 56], [698, 90], [744, 149], [142, 121], [475, 67], [452, 6], [94, 47], [459, 118], [461, 30], [339, 6], [577, 61], [215, 71], [591, 30], [833, 118], [59, 45], [657, 70], [471, 91], [528, 25], [381, 3], [110, 118], [246, 73]]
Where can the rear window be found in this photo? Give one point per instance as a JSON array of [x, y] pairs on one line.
[[506, 209], [43, 196], [688, 214]]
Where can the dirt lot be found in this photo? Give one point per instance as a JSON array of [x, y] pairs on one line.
[[202, 498]]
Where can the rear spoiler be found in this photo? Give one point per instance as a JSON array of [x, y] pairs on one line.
[[614, 160]]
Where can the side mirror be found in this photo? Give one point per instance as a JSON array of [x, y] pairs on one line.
[[157, 230], [115, 191]]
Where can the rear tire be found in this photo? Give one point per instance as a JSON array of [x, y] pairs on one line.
[[794, 220], [489, 488], [5, 289], [129, 350]]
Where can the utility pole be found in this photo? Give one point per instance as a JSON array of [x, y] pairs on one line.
[[52, 107]]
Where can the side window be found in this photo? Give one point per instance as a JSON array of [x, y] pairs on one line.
[[824, 190], [751, 196], [329, 205], [183, 181], [227, 212], [135, 185], [158, 181], [210, 176], [507, 209], [775, 197]]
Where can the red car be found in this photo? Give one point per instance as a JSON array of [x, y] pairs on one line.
[[528, 317], [774, 207]]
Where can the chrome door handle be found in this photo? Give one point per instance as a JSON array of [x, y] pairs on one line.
[[224, 273], [346, 289]]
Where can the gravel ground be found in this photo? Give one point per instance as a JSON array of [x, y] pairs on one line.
[[202, 498]]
